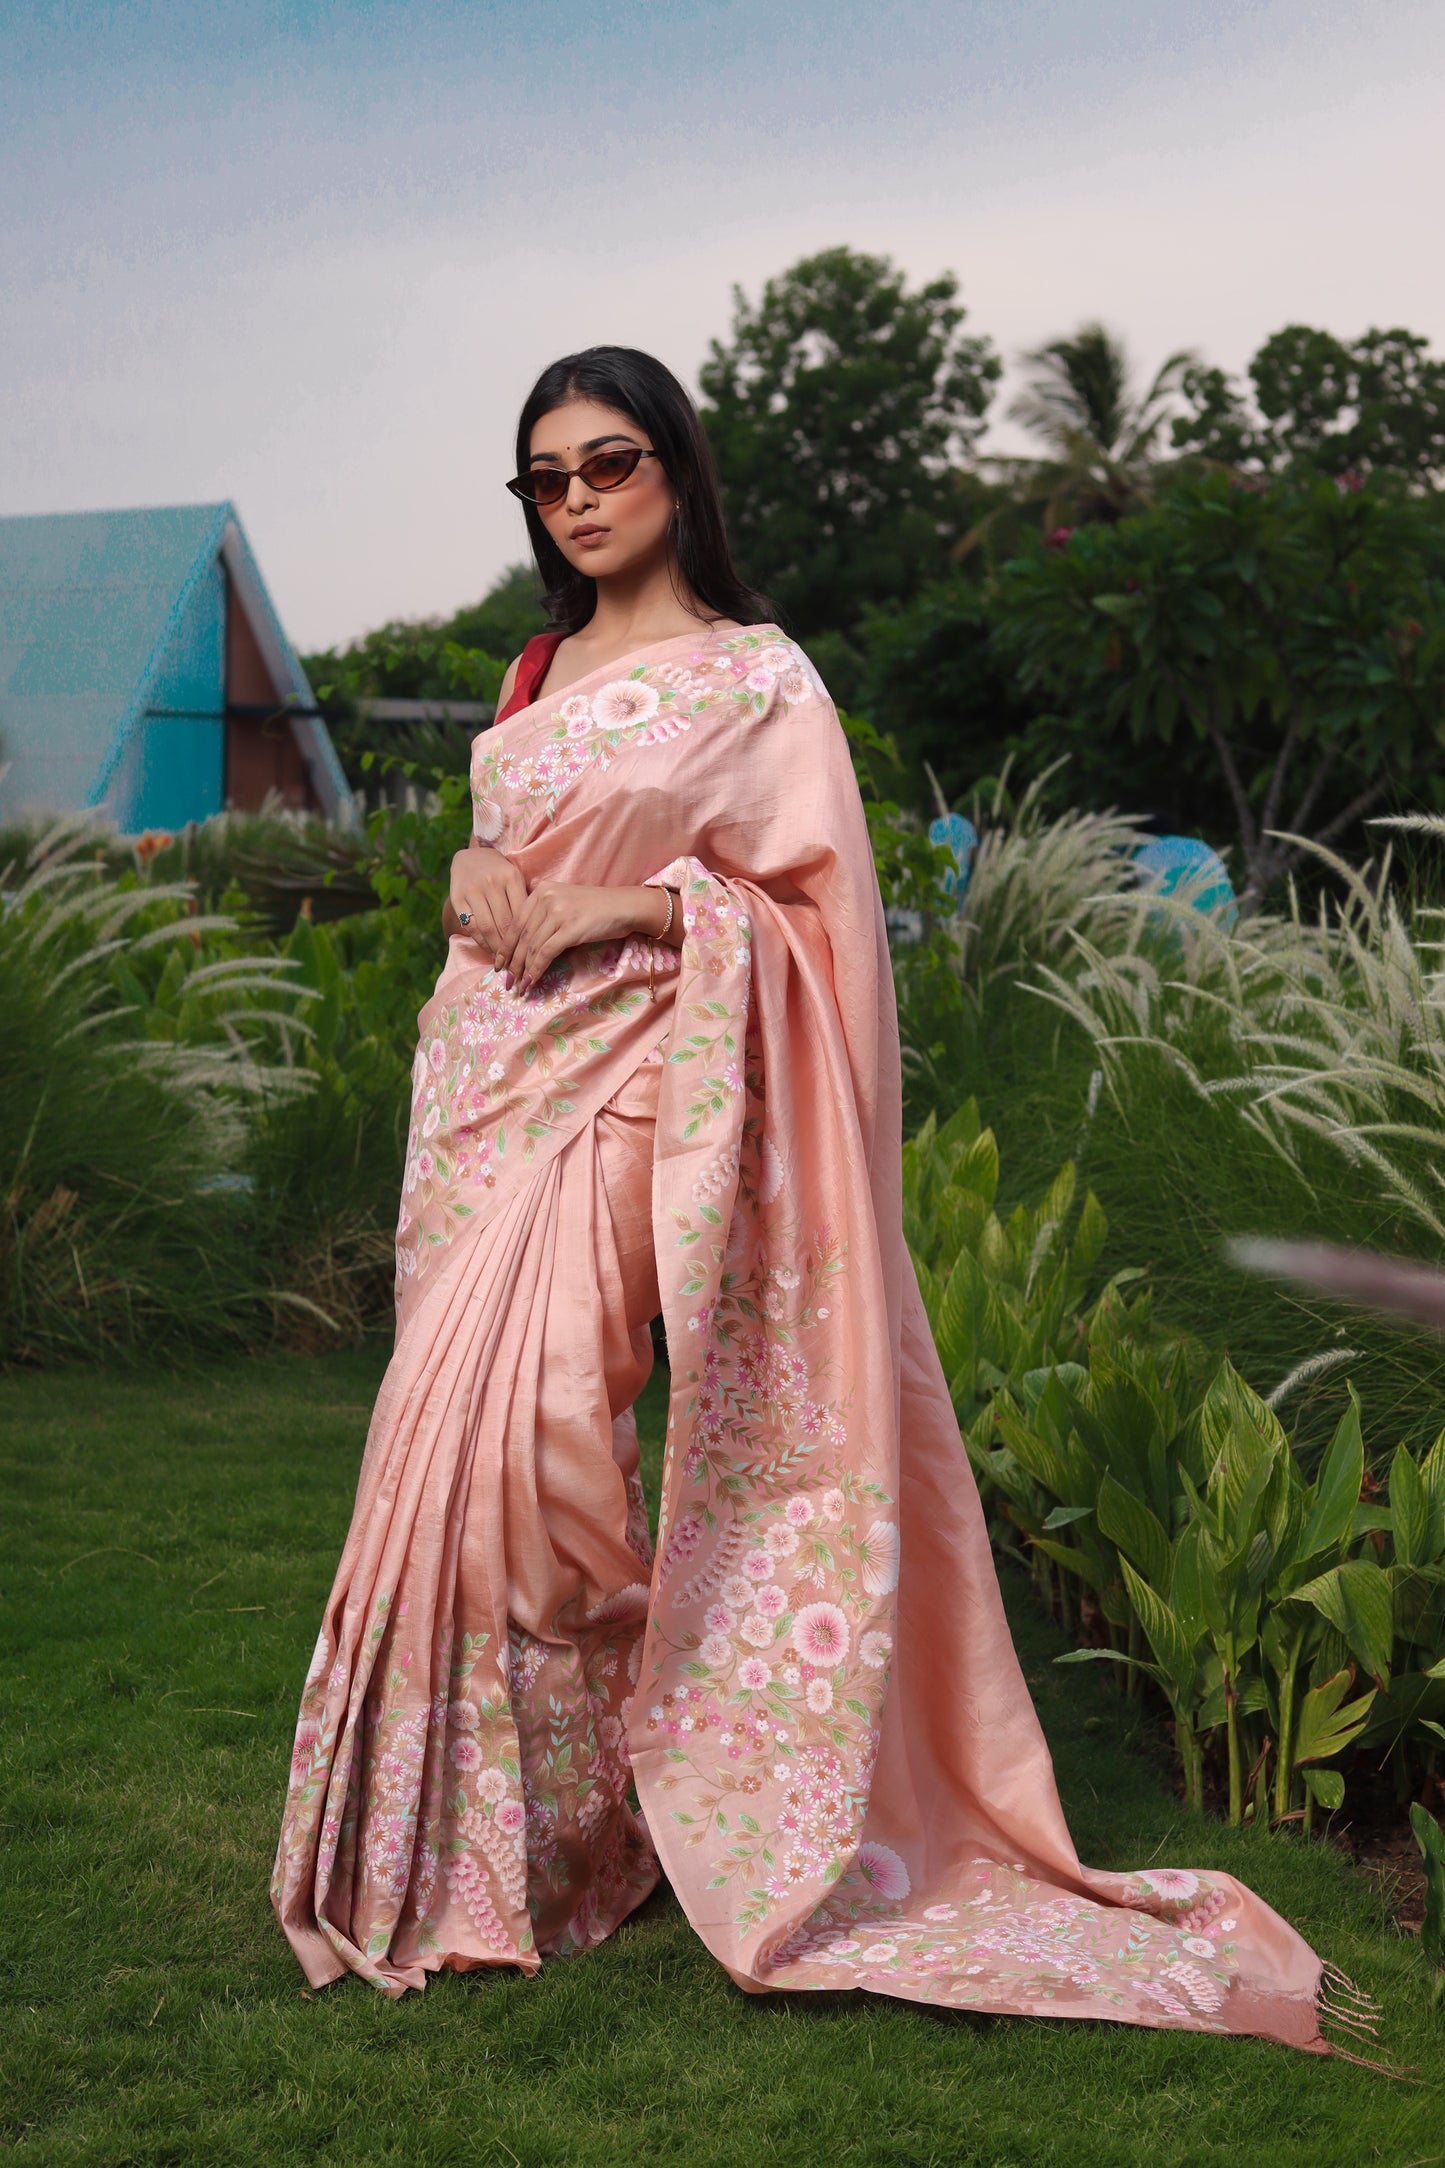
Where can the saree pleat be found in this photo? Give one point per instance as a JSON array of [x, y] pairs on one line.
[[812, 1682], [498, 1552]]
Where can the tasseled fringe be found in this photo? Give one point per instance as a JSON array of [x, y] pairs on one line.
[[1344, 2006]]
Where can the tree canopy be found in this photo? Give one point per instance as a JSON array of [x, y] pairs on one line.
[[837, 409], [1324, 405]]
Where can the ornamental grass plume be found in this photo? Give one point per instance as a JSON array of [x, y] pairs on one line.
[[126, 1068]]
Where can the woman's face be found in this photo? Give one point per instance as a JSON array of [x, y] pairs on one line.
[[602, 531]]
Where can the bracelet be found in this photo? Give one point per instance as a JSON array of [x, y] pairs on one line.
[[671, 895]]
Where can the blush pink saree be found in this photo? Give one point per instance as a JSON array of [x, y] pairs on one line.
[[812, 1683]]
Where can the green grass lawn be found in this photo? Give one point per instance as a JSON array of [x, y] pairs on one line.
[[169, 1541]]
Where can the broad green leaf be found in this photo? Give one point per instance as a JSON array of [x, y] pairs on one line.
[[1323, 1728], [1338, 1488], [1409, 1510], [1355, 1598], [1164, 1632], [1326, 1787], [1431, 1839], [1064, 1516], [1128, 1522]]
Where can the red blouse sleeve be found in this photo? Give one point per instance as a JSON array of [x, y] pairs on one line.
[[531, 669]]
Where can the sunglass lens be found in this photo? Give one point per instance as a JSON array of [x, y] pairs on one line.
[[607, 470], [543, 485]]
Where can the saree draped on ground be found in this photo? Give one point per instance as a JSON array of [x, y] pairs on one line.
[[812, 1683]]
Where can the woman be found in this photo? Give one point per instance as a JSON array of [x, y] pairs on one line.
[[661, 1071]]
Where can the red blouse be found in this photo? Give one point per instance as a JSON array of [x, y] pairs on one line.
[[532, 667]]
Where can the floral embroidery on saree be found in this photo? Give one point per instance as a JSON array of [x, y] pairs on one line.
[[652, 704]]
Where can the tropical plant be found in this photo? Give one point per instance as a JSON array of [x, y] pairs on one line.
[[1103, 437], [1431, 1839]]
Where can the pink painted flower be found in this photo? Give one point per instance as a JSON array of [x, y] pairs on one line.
[[462, 1716], [754, 1674], [306, 1737], [736, 1590], [1198, 1946], [465, 1754], [1172, 1883], [758, 1630], [798, 1512], [940, 1912], [490, 1784], [834, 1505], [436, 1054], [758, 1565], [511, 1815], [624, 701], [426, 1165], [875, 1650], [819, 1696], [879, 1953], [719, 1619], [880, 1865], [782, 1540], [821, 1633], [771, 1601], [716, 1652]]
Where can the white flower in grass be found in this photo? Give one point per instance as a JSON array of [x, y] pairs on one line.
[[626, 700]]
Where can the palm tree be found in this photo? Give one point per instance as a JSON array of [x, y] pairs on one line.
[[1102, 437]]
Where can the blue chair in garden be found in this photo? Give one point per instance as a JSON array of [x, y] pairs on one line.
[[962, 839], [1167, 863]]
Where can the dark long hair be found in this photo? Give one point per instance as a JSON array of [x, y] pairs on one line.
[[638, 385]]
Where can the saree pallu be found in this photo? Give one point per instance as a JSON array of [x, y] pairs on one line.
[[812, 1681]]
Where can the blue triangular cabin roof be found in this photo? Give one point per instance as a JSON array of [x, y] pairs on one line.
[[92, 607]]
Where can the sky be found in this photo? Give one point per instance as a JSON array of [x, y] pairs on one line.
[[311, 257]]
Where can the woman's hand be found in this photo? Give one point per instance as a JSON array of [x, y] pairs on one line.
[[487, 892], [560, 915]]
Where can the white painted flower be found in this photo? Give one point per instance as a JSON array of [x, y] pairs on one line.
[[758, 1630], [754, 1674], [716, 1651], [819, 1696], [624, 701], [878, 1556], [433, 1121], [798, 1512], [576, 709], [875, 1650]]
